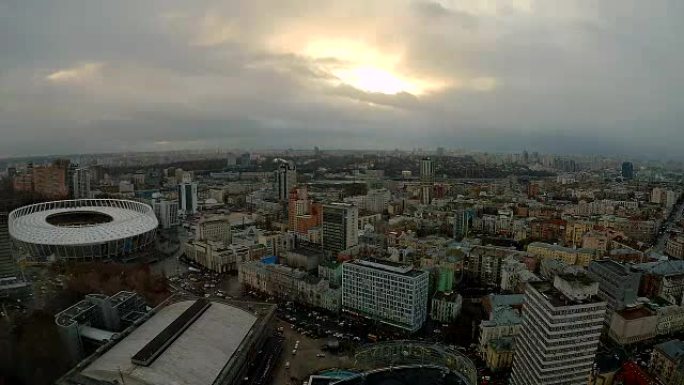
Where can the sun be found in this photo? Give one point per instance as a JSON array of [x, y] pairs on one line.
[[375, 80]]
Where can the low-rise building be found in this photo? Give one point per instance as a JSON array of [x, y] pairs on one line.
[[515, 274], [670, 318], [675, 247], [618, 283], [629, 326], [290, 284], [503, 318], [221, 258], [571, 256], [499, 353], [664, 279], [483, 264], [214, 228], [667, 362]]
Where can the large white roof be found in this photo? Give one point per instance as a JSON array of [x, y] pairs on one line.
[[196, 357], [129, 218]]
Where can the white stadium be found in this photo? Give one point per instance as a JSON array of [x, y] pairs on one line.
[[82, 229]]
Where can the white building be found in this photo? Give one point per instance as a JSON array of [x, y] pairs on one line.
[[389, 292], [166, 212], [560, 332], [187, 198], [221, 258], [81, 183], [285, 180], [340, 227]]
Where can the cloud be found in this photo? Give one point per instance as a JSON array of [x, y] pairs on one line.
[[486, 74], [78, 74]]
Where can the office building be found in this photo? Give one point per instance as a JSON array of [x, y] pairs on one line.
[[560, 331], [340, 227], [389, 292], [81, 183], [187, 198], [627, 170], [166, 212], [285, 180], [215, 228], [184, 341]]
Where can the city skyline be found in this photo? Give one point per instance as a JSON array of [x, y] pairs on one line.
[[495, 76]]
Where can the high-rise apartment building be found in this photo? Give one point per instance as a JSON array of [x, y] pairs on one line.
[[340, 227], [303, 213], [7, 266], [463, 219], [166, 212], [627, 170], [427, 170], [385, 291], [560, 331], [80, 181], [12, 283], [50, 181], [187, 198], [427, 180], [285, 180]]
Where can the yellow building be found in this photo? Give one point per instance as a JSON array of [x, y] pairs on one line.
[[571, 256], [499, 353], [667, 362]]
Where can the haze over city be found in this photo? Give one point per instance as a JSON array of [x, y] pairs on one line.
[[355, 192], [580, 77]]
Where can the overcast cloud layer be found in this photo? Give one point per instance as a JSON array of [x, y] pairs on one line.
[[571, 76]]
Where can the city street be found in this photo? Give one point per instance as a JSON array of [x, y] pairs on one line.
[[668, 226]]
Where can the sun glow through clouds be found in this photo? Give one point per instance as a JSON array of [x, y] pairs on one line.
[[375, 80]]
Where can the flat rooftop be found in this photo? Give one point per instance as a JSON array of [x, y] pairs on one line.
[[613, 266], [393, 267], [636, 313], [195, 357], [557, 299]]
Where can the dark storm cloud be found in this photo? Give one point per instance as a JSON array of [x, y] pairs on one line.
[[570, 76]]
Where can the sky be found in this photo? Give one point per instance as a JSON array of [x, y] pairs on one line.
[[561, 76]]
